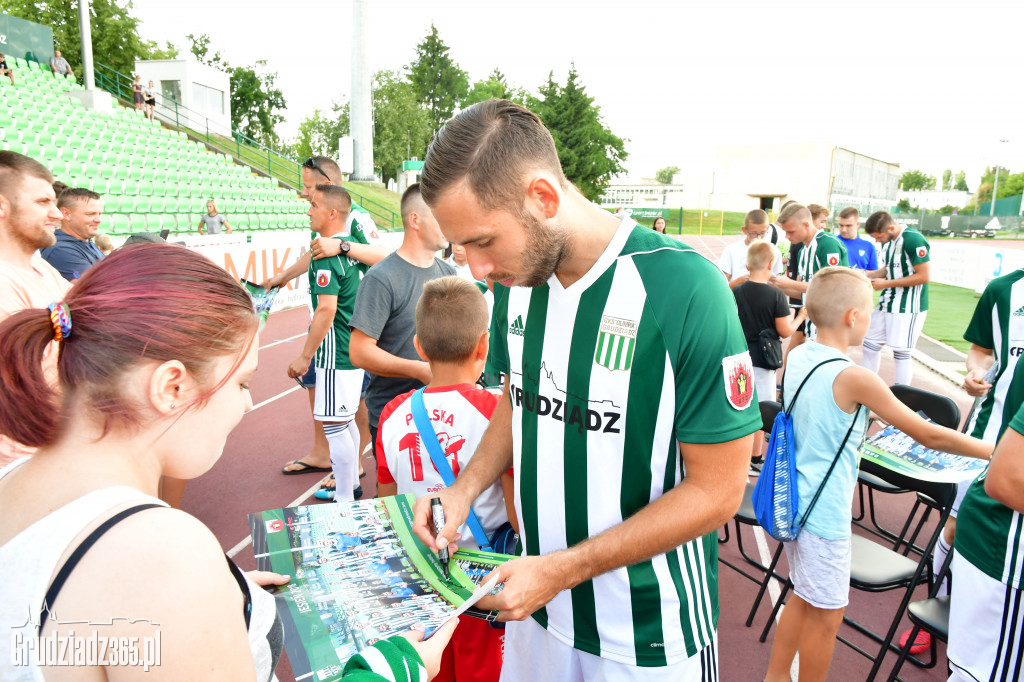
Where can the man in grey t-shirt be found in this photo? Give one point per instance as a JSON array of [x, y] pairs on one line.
[[213, 221], [60, 66], [384, 320]]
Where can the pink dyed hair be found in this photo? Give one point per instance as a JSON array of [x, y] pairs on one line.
[[155, 302]]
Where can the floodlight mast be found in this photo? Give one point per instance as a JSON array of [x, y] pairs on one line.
[[84, 29], [362, 94]]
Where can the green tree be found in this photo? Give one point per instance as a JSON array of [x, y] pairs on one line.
[[115, 32], [312, 138], [494, 86], [401, 127], [961, 182], [916, 180], [438, 82], [257, 104], [665, 175], [903, 206], [947, 179], [588, 151]]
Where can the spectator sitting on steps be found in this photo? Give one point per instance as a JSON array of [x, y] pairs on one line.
[[60, 66], [4, 69]]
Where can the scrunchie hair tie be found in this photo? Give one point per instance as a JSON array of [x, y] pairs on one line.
[[60, 316]]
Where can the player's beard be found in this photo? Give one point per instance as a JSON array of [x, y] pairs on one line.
[[547, 246]]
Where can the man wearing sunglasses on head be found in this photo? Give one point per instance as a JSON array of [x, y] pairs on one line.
[[359, 242]]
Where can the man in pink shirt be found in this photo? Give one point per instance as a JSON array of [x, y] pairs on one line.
[[28, 219]]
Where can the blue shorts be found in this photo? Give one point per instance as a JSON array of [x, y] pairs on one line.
[[366, 384], [308, 380]]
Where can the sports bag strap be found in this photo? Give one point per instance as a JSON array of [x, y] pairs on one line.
[[828, 473], [429, 438], [76, 556], [801, 386]]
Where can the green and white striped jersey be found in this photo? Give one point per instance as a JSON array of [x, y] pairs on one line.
[[605, 377], [993, 543], [338, 276], [900, 256], [824, 250], [998, 324]]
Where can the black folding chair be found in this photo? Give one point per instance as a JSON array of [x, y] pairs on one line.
[[942, 410], [931, 614], [745, 516], [878, 569]]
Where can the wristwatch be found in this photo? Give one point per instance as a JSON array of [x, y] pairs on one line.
[[346, 246]]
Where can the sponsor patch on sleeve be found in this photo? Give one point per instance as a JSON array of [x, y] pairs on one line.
[[738, 372], [922, 251], [833, 259], [323, 278]]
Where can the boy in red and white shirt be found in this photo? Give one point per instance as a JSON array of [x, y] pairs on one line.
[[451, 334]]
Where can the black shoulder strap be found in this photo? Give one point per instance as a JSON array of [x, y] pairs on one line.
[[76, 556], [801, 386], [835, 460]]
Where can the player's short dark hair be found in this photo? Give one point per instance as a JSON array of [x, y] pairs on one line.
[[335, 197], [490, 145], [793, 210], [850, 212], [879, 221], [75, 195], [451, 316]]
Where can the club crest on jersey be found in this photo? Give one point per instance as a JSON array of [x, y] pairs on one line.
[[922, 251], [323, 278], [737, 370], [833, 259], [616, 341], [374, 235]]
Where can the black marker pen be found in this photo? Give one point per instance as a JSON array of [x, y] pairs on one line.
[[438, 511]]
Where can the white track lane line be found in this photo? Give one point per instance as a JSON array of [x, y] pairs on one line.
[[290, 338], [276, 397]]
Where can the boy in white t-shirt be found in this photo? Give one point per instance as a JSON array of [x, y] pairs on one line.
[[451, 334], [733, 261]]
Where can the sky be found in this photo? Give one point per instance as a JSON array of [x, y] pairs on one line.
[[928, 85]]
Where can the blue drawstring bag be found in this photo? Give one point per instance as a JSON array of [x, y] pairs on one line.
[[776, 496]]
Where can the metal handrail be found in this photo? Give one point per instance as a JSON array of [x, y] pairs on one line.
[[246, 149]]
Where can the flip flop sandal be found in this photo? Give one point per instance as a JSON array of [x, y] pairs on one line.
[[305, 468]]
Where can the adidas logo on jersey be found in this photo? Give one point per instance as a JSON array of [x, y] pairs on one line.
[[517, 327], [1019, 312]]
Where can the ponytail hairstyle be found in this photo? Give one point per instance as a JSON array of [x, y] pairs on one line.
[[155, 302]]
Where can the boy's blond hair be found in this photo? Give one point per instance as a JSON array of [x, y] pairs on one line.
[[451, 316], [817, 210], [760, 255], [833, 291]]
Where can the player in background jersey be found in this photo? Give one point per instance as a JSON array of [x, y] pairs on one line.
[[863, 253], [626, 367], [333, 283], [451, 334], [986, 621], [364, 247], [996, 335], [819, 250], [903, 305]]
